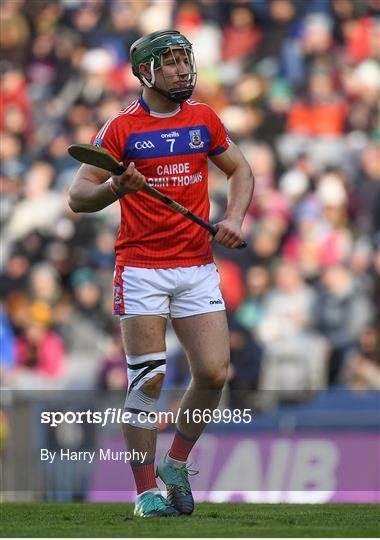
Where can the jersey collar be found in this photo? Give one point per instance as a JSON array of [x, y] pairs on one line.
[[157, 114]]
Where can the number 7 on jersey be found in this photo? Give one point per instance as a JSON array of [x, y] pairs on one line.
[[171, 141]]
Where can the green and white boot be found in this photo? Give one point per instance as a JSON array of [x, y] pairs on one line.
[[176, 479], [153, 504]]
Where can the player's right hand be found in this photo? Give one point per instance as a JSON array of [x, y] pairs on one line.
[[130, 181]]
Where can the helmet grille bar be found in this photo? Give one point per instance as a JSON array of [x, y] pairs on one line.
[[180, 94]]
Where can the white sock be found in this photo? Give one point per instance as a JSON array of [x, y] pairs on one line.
[[174, 462]]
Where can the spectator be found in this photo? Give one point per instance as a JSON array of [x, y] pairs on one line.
[[246, 355], [113, 375], [285, 332], [368, 190], [14, 276], [360, 264], [241, 36], [231, 283], [7, 343], [281, 16], [15, 114], [288, 307], [15, 33], [41, 207], [44, 284], [362, 369], [275, 111], [265, 244], [323, 113], [38, 348], [85, 328], [376, 277], [314, 243], [310, 45], [341, 312], [251, 311]]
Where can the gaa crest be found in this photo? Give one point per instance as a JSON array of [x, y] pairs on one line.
[[195, 139]]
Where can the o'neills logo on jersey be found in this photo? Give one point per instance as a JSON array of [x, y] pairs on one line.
[[195, 139], [169, 135]]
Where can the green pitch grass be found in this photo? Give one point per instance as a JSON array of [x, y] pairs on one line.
[[210, 520]]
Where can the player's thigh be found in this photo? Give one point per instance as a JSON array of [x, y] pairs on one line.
[[205, 338], [143, 334]]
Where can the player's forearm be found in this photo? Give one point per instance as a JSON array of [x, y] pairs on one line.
[[240, 190], [86, 196]]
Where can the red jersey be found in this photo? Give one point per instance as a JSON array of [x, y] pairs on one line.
[[171, 151]]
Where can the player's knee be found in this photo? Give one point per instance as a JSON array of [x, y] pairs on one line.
[[152, 387], [145, 377], [212, 379], [217, 380]]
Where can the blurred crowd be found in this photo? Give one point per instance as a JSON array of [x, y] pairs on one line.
[[296, 82]]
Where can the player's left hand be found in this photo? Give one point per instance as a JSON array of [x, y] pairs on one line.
[[229, 233]]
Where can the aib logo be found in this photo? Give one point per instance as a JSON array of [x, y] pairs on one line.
[[140, 145]]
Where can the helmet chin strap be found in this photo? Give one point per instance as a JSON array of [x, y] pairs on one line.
[[179, 95], [150, 83]]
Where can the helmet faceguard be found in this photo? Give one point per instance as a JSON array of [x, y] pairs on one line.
[[150, 49]]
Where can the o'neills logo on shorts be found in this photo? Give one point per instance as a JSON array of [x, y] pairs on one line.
[[216, 302]]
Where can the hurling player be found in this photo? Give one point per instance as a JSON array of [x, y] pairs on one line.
[[164, 263]]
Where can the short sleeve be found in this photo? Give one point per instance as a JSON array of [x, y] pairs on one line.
[[220, 140], [108, 138]]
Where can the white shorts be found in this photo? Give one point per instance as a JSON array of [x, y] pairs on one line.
[[178, 292]]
